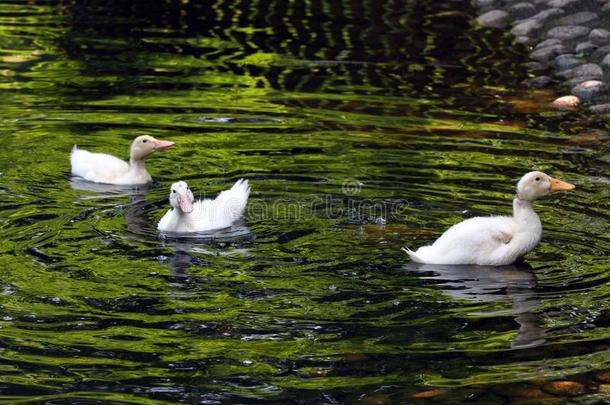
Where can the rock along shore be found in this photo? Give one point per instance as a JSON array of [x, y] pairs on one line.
[[570, 38]]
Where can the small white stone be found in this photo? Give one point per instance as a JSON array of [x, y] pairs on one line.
[[566, 102]]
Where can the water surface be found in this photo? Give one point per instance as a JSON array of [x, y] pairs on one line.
[[363, 127]]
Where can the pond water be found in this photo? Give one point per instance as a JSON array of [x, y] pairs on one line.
[[363, 127]]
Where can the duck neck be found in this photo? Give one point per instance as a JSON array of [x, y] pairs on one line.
[[524, 213], [136, 166], [136, 163]]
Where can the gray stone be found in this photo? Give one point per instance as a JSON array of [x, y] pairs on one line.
[[483, 3], [567, 74], [606, 62], [567, 61], [606, 8], [568, 31], [578, 18], [493, 19], [601, 52], [544, 55], [577, 80], [586, 48], [548, 42], [548, 13], [541, 81], [599, 35], [522, 10], [590, 90], [526, 28], [600, 108], [523, 40], [588, 70], [562, 3], [534, 66]]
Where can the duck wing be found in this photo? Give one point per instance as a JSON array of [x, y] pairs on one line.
[[477, 240], [222, 211], [97, 167]]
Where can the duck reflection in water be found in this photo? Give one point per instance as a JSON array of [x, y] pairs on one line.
[[489, 284], [136, 220], [187, 251]]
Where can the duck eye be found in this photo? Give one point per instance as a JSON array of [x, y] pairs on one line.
[[173, 191], [144, 141], [537, 178]]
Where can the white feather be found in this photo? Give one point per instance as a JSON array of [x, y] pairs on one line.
[[208, 214], [494, 241]]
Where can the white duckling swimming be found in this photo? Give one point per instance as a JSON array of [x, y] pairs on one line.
[[494, 241], [103, 168], [204, 215]]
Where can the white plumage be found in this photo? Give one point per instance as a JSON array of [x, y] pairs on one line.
[[187, 216], [103, 168], [494, 241]]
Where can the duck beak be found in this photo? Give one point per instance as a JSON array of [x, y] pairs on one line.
[[558, 185], [185, 202], [162, 145]]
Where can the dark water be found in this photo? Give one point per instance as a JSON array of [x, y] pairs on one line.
[[363, 127]]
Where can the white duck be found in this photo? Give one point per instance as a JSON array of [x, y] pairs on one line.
[[494, 241], [103, 168], [204, 215]]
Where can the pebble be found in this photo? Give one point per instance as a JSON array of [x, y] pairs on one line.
[[589, 90], [562, 3], [548, 13], [601, 109], [599, 35], [534, 66], [541, 81], [548, 42], [493, 19], [578, 18], [526, 28], [545, 54], [566, 102], [522, 10], [564, 388], [577, 80], [567, 61], [484, 3], [588, 70], [586, 48], [600, 52], [568, 31], [606, 62]]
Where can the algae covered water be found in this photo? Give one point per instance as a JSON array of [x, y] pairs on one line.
[[362, 127]]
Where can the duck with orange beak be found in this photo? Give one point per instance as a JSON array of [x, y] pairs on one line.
[[495, 241], [103, 168]]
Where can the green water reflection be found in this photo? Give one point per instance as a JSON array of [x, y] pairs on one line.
[[363, 127]]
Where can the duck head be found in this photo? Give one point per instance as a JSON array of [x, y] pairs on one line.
[[537, 184], [181, 197], [144, 145]]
